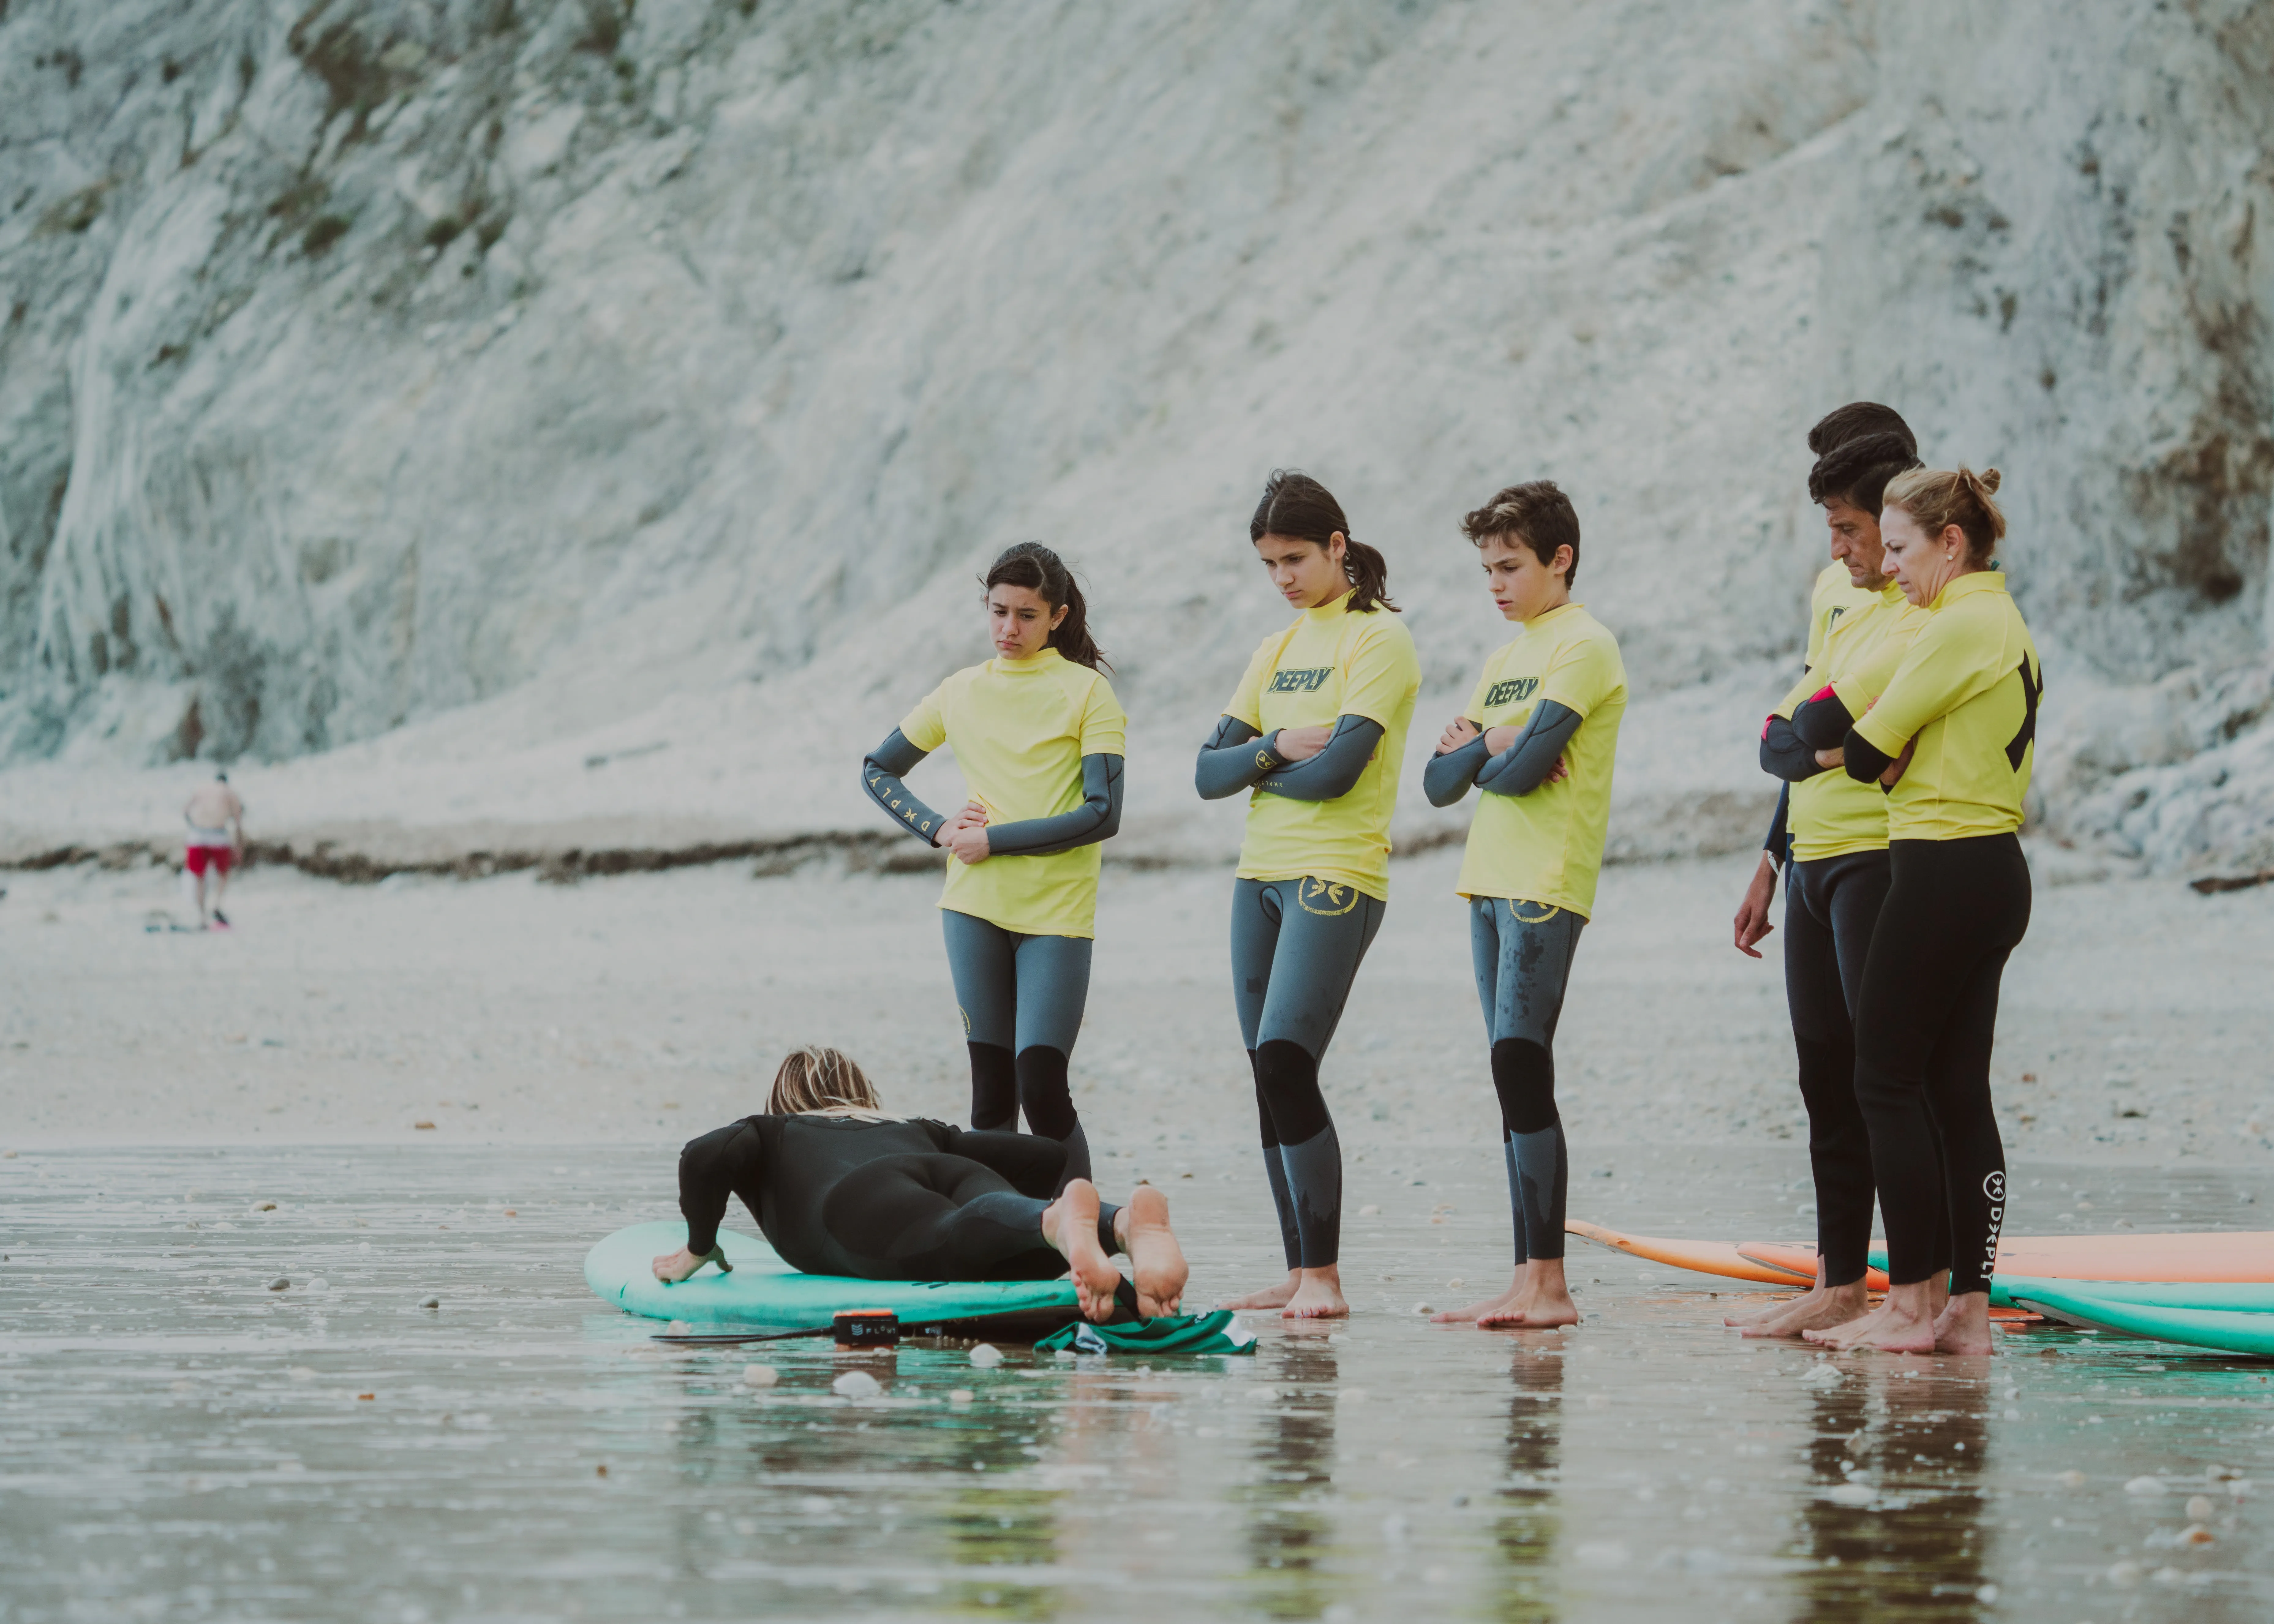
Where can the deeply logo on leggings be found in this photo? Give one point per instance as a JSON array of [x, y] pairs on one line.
[[1994, 1187], [1318, 897], [1510, 692], [1301, 681]]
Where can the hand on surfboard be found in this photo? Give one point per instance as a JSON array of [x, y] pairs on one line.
[[674, 1266]]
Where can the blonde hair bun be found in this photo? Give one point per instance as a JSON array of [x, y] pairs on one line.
[[814, 1077]]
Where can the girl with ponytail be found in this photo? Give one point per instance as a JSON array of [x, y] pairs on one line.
[[1315, 734], [1039, 737]]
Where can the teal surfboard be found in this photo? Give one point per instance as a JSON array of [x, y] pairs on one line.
[[766, 1293], [2226, 1330], [2243, 1297]]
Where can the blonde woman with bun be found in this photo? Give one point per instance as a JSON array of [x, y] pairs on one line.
[[839, 1187], [1952, 739]]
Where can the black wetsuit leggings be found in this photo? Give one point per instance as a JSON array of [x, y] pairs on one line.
[[1022, 999], [1925, 1019], [1296, 946], [944, 1217], [1831, 907], [1522, 955]]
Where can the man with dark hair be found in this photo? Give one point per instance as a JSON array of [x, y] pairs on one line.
[[1829, 835]]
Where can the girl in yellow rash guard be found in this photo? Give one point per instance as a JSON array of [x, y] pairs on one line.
[[1039, 737], [1539, 738], [1316, 733], [1953, 738]]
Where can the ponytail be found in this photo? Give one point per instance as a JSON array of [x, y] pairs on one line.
[[1031, 564], [1938, 498], [1297, 506]]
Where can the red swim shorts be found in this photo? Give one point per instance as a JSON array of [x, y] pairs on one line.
[[220, 858]]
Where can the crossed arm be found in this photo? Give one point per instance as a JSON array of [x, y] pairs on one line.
[[1293, 761], [1097, 819], [1465, 756]]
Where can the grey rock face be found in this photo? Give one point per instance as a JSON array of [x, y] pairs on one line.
[[366, 363]]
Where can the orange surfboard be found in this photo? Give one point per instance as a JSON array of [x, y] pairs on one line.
[[1801, 1261], [1706, 1257]]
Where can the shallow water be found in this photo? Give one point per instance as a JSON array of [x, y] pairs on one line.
[[177, 1441]]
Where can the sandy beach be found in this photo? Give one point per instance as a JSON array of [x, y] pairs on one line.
[[645, 1008]]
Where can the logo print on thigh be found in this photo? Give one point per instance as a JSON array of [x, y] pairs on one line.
[[1318, 897], [1994, 1187]]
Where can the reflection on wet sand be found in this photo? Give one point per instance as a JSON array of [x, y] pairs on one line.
[[1524, 1531], [1913, 1433], [1290, 1526]]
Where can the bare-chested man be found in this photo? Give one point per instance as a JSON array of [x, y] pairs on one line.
[[216, 821]]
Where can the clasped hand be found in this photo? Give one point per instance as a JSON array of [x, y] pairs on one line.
[[1295, 744], [966, 833], [1461, 731]]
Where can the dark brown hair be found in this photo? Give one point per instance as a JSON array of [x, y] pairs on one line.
[[1856, 471], [1855, 420], [1939, 498], [1034, 565], [1537, 513], [1298, 507]]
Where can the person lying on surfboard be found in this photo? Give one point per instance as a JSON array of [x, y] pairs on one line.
[[840, 1188]]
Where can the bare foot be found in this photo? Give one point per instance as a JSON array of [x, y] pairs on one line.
[[1157, 1260], [1320, 1296], [1902, 1323], [1544, 1301], [1776, 1306], [1477, 1310], [1270, 1296], [1069, 1224], [1963, 1325], [1817, 1310]]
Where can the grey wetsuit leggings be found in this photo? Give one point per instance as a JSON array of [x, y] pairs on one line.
[[1522, 951], [1022, 999], [1296, 946]]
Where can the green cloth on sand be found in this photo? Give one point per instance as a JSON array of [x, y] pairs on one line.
[[1219, 1332]]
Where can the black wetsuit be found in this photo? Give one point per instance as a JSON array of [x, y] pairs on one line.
[[882, 1201]]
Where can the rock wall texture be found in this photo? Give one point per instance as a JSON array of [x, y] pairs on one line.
[[453, 399]]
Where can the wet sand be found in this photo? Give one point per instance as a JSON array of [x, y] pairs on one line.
[[651, 1007]]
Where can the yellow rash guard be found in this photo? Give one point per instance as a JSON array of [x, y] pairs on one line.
[[1966, 698], [1019, 729], [1830, 600], [1330, 663], [1547, 846], [1831, 815]]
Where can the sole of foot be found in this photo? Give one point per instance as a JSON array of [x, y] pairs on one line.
[[1155, 1260]]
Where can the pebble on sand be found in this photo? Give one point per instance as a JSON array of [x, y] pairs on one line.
[[2196, 1534], [2147, 1485], [961, 1395], [760, 1375], [2201, 1509], [1369, 1210], [677, 1327], [987, 1355], [301, 1372], [320, 1284], [857, 1385], [431, 1302], [2124, 1575], [263, 1206], [422, 1124], [1852, 1494], [282, 1282]]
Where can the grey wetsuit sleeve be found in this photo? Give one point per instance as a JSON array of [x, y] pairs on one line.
[[880, 778], [1231, 761], [1097, 819], [1785, 754], [1778, 840], [1450, 773], [1524, 765], [1334, 771]]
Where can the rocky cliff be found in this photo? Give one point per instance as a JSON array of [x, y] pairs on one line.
[[497, 412]]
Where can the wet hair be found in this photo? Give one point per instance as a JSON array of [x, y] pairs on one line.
[[1854, 421], [1034, 565], [1936, 498], [1537, 513], [815, 1078], [1300, 508], [1856, 471]]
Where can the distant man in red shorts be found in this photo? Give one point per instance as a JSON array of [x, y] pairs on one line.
[[216, 821]]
